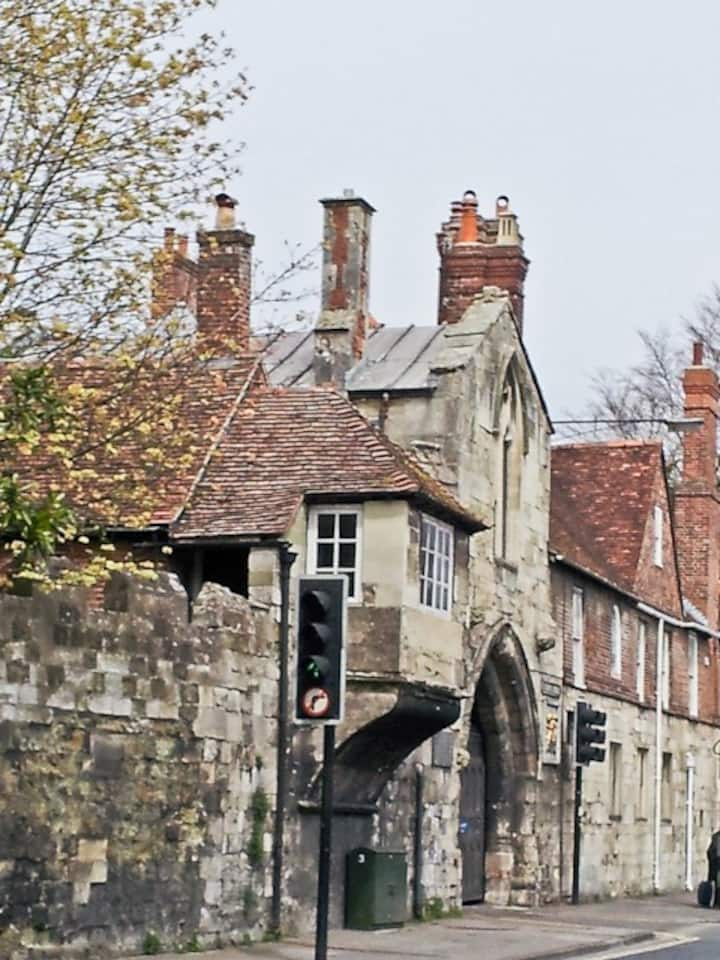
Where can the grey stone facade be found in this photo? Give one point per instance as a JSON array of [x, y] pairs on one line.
[[137, 768]]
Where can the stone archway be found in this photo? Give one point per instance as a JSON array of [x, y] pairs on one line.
[[503, 722]]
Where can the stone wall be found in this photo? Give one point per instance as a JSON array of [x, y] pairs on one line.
[[137, 768]]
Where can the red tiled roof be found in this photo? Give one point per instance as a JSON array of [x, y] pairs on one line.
[[601, 494], [138, 444], [284, 445]]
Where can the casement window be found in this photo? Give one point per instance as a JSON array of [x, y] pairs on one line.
[[642, 768], [436, 564], [666, 669], [640, 660], [615, 781], [334, 544], [692, 674], [616, 642], [657, 536], [578, 637], [666, 804]]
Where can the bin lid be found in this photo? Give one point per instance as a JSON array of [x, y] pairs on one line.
[[378, 851]]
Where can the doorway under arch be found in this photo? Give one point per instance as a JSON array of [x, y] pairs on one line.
[[499, 783]]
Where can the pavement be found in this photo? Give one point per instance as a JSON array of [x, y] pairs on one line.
[[502, 933]]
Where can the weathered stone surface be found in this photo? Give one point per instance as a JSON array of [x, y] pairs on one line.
[[119, 813]]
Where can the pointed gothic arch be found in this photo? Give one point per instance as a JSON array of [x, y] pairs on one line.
[[503, 724]]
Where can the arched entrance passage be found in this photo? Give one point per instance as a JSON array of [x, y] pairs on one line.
[[498, 785]]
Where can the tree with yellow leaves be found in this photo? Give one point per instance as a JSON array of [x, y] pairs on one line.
[[108, 115]]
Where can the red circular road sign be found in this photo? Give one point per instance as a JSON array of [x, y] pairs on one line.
[[315, 703]]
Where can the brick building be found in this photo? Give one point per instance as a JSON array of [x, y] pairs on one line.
[[634, 588]]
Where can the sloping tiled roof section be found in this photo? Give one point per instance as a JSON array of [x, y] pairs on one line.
[[601, 496], [285, 445], [408, 359], [144, 476]]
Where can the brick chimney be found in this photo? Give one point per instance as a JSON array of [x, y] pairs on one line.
[[174, 279], [475, 253], [696, 503], [224, 271], [342, 327]]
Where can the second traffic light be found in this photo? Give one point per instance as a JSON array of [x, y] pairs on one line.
[[590, 727], [320, 670]]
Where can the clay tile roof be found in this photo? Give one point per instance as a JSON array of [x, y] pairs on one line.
[[600, 497], [142, 478], [285, 445]]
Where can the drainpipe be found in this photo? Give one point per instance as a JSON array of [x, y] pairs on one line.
[[418, 844], [662, 619], [658, 751], [287, 558], [689, 814]]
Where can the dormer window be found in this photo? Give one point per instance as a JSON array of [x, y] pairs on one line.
[[436, 564], [334, 544], [658, 536]]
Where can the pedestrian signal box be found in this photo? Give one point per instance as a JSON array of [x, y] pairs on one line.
[[320, 665], [590, 727]]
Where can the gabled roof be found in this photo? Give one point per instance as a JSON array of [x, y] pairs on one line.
[[139, 436], [407, 359], [601, 497], [283, 446]]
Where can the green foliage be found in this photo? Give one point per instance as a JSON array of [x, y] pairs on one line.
[[434, 909], [151, 943], [107, 112], [259, 809]]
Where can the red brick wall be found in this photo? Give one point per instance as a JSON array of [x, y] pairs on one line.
[[223, 290], [598, 603], [659, 586], [697, 506]]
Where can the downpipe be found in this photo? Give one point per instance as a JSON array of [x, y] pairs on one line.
[[287, 558]]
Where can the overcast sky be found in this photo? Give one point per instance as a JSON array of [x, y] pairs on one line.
[[599, 120]]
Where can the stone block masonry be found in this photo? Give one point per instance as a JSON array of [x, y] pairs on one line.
[[136, 754]]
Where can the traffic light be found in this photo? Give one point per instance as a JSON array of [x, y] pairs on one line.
[[590, 726], [320, 672]]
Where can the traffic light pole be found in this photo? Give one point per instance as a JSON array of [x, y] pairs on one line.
[[577, 815], [323, 891]]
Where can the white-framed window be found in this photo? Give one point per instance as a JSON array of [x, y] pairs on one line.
[[657, 536], [642, 768], [640, 660], [692, 674], [578, 637], [334, 544], [616, 642], [666, 669], [436, 564], [615, 780]]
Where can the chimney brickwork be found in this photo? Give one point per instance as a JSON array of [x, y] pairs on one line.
[[174, 277], [476, 252], [224, 282], [342, 327], [216, 288], [697, 504]]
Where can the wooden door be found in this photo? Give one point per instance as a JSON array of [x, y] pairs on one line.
[[472, 819]]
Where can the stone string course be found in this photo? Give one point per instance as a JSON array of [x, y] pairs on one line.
[[133, 745]]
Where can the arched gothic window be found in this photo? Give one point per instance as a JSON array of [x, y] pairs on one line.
[[510, 433]]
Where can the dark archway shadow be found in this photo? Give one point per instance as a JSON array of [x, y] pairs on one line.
[[504, 712]]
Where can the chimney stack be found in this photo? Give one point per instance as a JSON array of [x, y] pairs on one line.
[[475, 253], [342, 327], [696, 502], [224, 272], [174, 278]]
